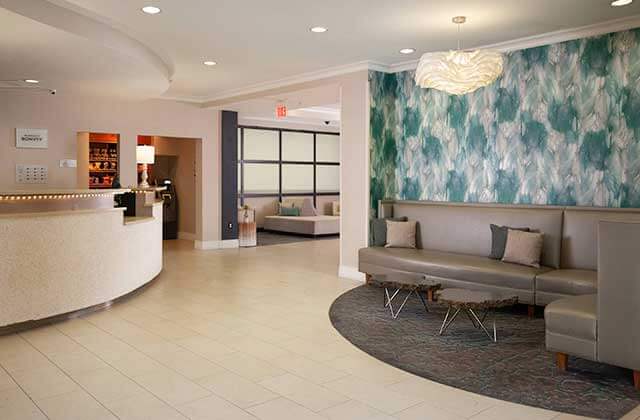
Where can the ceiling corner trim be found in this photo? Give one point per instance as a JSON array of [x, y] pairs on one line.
[[616, 25], [232, 95], [62, 16], [313, 76], [630, 22]]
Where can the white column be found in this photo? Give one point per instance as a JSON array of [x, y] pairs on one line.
[[208, 179], [354, 172]]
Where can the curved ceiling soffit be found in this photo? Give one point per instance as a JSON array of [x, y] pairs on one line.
[[64, 18]]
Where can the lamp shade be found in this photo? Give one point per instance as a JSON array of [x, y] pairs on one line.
[[459, 72], [145, 154]]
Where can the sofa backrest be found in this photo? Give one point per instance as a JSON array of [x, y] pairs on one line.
[[464, 228], [580, 234]]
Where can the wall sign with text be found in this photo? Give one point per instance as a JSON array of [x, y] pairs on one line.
[[32, 138]]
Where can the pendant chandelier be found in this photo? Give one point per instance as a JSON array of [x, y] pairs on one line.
[[459, 72]]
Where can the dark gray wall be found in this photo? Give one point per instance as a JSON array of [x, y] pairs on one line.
[[229, 175]]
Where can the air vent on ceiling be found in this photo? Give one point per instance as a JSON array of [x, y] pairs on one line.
[[11, 84], [22, 85]]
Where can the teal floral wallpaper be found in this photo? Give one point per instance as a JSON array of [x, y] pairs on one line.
[[561, 127]]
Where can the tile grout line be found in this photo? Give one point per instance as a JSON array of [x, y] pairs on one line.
[[68, 376], [167, 367], [20, 386], [123, 373]]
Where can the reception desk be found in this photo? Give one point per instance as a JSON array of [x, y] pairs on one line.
[[54, 263]]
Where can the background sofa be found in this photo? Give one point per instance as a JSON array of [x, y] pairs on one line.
[[454, 241]]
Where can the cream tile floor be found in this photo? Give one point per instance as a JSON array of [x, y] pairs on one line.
[[225, 335]]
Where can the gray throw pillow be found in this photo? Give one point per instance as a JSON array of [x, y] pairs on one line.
[[524, 248], [499, 239], [379, 230], [307, 208], [401, 234]]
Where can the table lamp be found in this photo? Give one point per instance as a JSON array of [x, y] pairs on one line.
[[145, 155]]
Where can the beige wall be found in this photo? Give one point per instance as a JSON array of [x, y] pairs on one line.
[[185, 181], [65, 116]]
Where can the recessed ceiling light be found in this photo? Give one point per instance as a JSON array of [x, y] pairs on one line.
[[318, 29], [151, 10], [209, 63], [407, 51], [616, 3], [34, 81]]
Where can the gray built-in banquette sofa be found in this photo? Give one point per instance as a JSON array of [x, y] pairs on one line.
[[454, 241], [589, 279]]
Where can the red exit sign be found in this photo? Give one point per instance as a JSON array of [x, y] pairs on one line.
[[281, 111]]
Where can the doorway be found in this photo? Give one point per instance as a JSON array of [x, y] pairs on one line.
[[175, 167]]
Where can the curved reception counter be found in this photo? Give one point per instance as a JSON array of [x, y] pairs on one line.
[[56, 262]]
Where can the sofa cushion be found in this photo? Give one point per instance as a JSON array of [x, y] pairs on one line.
[[401, 234], [568, 282], [499, 240], [447, 265], [379, 230], [523, 248], [575, 316]]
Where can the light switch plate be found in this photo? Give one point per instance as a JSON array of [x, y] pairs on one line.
[[68, 163], [31, 174]]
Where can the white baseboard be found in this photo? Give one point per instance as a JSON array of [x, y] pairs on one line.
[[230, 243], [187, 236], [352, 273], [207, 245]]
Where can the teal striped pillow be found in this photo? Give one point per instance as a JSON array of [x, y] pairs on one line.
[[289, 211]]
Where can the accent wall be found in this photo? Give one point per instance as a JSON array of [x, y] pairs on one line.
[[561, 126]]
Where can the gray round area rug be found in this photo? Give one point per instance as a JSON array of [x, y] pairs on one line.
[[517, 368]]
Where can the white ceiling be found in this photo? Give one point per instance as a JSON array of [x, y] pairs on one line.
[[256, 42], [66, 62]]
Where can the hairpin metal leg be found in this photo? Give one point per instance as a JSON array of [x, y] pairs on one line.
[[424, 302], [401, 306], [471, 319], [446, 323], [389, 298], [493, 338]]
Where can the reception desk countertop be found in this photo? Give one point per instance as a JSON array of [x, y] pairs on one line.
[[45, 193]]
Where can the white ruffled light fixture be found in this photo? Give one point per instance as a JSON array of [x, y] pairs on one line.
[[459, 72]]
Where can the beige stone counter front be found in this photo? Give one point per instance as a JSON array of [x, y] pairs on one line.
[[53, 263]]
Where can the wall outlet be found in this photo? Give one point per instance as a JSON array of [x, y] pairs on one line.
[[31, 174], [68, 163]]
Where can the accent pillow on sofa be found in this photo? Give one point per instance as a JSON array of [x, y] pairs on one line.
[[401, 234], [289, 211], [499, 239], [308, 208], [379, 230], [524, 248]]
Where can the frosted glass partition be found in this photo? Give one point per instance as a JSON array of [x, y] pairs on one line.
[[261, 178], [327, 178], [327, 148], [297, 179], [279, 162], [297, 146], [261, 144]]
